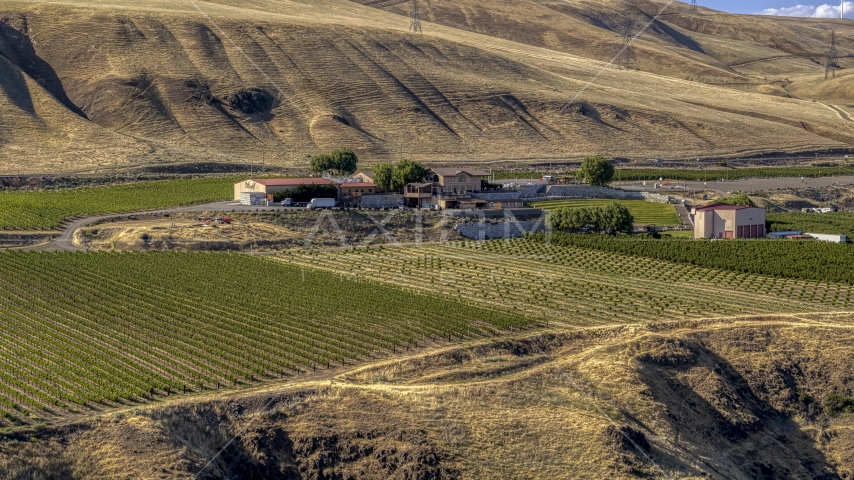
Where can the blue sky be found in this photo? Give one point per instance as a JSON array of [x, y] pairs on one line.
[[799, 8]]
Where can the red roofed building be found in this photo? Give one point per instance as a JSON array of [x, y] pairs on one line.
[[722, 220], [269, 186], [357, 189]]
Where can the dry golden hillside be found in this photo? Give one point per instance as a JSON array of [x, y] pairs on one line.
[[730, 398], [115, 84]]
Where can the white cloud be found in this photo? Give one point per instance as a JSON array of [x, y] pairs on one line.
[[821, 11]]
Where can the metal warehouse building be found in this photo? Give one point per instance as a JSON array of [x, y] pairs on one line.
[[722, 220], [269, 186]]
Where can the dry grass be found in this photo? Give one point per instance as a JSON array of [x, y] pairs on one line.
[[442, 96], [181, 235]]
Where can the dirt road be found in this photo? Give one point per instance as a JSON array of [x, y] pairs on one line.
[[65, 241]]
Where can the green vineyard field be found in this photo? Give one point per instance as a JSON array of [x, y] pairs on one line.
[[810, 260], [697, 175], [83, 329], [579, 286], [43, 210], [646, 213], [700, 175], [833, 223]]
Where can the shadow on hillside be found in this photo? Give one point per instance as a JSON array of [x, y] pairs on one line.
[[17, 47], [715, 415]]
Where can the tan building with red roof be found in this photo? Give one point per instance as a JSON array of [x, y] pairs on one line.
[[356, 189], [722, 220], [270, 186]]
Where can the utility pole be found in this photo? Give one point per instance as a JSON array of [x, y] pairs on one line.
[[624, 50], [694, 7], [831, 58], [415, 24]]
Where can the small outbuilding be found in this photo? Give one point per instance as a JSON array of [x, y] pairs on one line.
[[722, 220]]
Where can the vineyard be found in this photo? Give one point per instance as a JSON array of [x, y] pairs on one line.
[[45, 210], [578, 286], [83, 330], [701, 175], [839, 223], [697, 175], [646, 213], [820, 261]]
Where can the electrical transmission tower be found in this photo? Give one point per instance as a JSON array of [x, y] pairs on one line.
[[624, 50], [415, 24], [831, 58], [694, 7]]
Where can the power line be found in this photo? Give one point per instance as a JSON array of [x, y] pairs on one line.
[[415, 24], [831, 58], [694, 7]]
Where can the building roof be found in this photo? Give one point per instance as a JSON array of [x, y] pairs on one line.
[[367, 173], [291, 182], [450, 172], [421, 185], [722, 206], [358, 185]]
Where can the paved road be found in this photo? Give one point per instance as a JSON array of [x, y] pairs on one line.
[[65, 241]]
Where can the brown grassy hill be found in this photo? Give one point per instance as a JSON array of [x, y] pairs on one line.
[[712, 47], [119, 84], [732, 398]]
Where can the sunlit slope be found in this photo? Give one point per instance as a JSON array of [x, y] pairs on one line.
[[713, 47], [279, 80]]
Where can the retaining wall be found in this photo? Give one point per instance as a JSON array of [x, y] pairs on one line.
[[486, 231], [376, 201], [586, 191]]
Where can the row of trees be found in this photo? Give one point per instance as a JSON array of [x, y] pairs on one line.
[[611, 219], [304, 193], [342, 161], [390, 177], [393, 177]]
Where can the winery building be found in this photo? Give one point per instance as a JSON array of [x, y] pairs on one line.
[[270, 186], [722, 220]]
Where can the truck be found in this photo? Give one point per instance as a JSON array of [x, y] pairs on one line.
[[321, 203]]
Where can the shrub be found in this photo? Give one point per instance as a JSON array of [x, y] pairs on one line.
[[836, 404]]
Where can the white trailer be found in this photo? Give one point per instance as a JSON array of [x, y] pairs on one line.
[[823, 237], [321, 203]]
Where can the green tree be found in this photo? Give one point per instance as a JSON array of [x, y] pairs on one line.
[[344, 161], [321, 163], [740, 199], [616, 219], [596, 171], [383, 173], [304, 193], [612, 219], [569, 219], [406, 171]]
